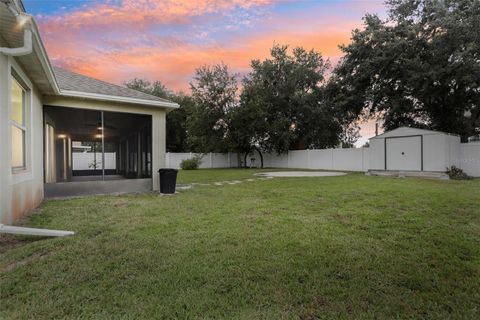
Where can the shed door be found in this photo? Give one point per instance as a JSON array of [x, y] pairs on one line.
[[404, 153]]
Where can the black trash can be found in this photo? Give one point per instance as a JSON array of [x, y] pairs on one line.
[[168, 180]]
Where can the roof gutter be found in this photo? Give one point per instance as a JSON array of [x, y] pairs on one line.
[[104, 97], [23, 19], [29, 36]]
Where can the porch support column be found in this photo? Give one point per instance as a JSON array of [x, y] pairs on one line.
[[139, 154], [103, 148], [158, 146]]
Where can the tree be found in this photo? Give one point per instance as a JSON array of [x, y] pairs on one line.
[[156, 88], [282, 104], [176, 119], [176, 129], [420, 67], [350, 134], [214, 94]]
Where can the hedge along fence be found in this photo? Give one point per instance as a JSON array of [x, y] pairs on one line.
[[327, 159]]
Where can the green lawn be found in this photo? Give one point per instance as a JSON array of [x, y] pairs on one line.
[[286, 248]]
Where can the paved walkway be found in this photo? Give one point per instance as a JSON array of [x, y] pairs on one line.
[[271, 175], [230, 182]]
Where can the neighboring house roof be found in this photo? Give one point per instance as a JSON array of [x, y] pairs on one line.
[[71, 82], [405, 131]]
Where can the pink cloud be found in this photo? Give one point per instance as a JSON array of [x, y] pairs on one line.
[[119, 42], [141, 14]]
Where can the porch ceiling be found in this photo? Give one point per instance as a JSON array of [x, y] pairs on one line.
[[83, 124]]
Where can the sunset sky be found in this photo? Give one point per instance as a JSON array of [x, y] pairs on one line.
[[117, 40]]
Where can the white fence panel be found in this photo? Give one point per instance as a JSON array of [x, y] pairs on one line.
[[348, 159], [209, 160], [173, 160], [82, 161], [298, 159], [206, 161], [470, 158], [220, 160], [321, 159], [234, 160], [275, 161]]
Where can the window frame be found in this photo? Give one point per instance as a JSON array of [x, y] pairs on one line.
[[15, 77]]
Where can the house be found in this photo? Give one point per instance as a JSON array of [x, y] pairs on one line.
[[45, 111]]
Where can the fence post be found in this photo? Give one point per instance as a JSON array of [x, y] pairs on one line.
[[363, 159], [228, 159], [308, 158], [331, 164], [211, 161]]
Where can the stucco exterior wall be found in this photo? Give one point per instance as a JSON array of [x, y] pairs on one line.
[[158, 124], [20, 190]]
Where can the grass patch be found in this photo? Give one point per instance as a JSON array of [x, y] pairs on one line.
[[330, 247]]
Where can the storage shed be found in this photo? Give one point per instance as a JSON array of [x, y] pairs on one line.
[[411, 149]]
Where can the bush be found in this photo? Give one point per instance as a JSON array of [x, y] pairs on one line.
[[192, 163], [456, 173]]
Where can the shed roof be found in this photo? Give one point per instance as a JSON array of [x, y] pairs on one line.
[[407, 131]]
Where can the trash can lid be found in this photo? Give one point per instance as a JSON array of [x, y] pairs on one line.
[[167, 170]]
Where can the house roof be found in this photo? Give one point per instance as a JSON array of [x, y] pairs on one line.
[[71, 82]]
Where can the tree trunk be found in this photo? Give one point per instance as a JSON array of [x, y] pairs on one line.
[[261, 157], [247, 153]]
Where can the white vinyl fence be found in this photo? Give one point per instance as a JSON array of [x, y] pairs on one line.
[[328, 159], [209, 160], [470, 158], [353, 159]]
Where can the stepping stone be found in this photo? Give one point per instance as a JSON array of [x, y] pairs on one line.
[[234, 182]]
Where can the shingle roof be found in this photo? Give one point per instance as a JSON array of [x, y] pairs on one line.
[[71, 81]]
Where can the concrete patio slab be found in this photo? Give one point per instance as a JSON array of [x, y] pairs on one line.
[[291, 174]]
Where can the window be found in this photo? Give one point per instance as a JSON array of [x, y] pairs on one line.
[[17, 120]]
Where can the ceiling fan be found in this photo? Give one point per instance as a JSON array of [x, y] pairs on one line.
[[99, 126]]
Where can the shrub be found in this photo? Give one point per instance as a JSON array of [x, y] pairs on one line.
[[456, 173], [192, 163]]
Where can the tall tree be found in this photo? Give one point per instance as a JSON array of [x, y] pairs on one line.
[[214, 93], [176, 135], [420, 67], [282, 104], [155, 88], [176, 130]]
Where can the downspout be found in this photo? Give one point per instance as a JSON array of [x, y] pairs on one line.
[[34, 231]]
